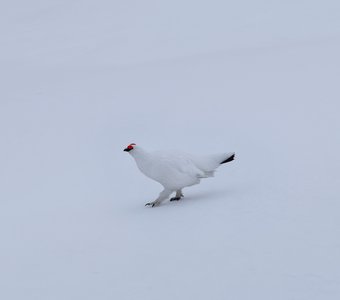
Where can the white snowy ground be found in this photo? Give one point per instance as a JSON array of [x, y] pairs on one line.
[[82, 79]]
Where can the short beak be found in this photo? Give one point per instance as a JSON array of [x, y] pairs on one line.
[[127, 149]]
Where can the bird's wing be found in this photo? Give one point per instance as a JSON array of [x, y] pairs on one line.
[[181, 162]]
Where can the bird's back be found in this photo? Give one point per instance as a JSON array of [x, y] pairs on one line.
[[209, 163]]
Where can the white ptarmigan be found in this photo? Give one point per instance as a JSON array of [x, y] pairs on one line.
[[176, 170]]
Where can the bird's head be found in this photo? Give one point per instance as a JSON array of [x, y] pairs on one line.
[[130, 147]]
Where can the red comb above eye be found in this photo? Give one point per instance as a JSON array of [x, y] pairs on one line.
[[130, 147]]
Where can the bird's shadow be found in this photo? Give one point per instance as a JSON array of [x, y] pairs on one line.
[[214, 195]]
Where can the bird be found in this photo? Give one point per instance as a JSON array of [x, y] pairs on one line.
[[175, 170]]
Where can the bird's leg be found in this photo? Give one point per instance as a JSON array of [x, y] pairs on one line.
[[162, 196], [178, 196]]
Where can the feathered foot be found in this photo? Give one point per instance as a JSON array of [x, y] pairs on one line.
[[178, 196]]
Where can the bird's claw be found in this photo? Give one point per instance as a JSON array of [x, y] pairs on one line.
[[175, 199], [152, 204]]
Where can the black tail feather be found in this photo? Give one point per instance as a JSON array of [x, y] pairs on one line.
[[230, 158]]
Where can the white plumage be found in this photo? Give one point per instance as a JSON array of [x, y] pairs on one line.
[[175, 170]]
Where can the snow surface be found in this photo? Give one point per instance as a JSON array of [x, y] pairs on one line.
[[82, 79]]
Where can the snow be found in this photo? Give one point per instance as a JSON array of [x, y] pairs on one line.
[[83, 79]]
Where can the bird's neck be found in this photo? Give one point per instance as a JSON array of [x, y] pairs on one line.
[[139, 153]]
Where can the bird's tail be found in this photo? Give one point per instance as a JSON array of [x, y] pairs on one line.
[[230, 157]]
